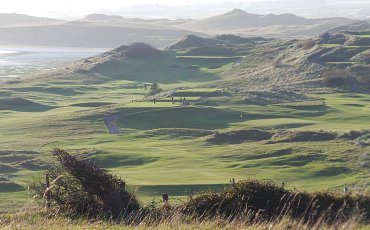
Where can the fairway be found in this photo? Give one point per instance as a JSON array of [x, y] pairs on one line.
[[166, 137]]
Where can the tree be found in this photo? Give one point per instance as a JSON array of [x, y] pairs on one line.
[[154, 89]]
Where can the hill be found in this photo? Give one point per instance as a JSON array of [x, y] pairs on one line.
[[242, 23], [354, 27], [265, 64], [253, 63], [243, 65], [10, 20], [90, 34], [192, 41], [101, 17], [109, 31], [239, 19]]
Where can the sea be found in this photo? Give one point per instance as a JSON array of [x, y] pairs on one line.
[[16, 62]]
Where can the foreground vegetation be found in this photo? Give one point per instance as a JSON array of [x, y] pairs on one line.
[[32, 220], [94, 198]]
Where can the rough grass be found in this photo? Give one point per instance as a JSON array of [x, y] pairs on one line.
[[31, 220], [304, 136], [257, 201], [244, 205]]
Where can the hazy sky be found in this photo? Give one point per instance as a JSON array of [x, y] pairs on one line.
[[75, 8], [184, 8]]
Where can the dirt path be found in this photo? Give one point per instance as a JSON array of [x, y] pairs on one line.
[[110, 123], [110, 120]]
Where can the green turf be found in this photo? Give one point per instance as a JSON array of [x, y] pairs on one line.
[[328, 46], [143, 158], [342, 62]]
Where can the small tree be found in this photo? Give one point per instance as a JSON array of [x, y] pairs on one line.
[[154, 89], [79, 187]]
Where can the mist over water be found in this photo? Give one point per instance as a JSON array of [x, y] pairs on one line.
[[20, 61], [3, 52]]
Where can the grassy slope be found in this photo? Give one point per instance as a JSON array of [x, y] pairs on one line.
[[357, 44], [73, 112]]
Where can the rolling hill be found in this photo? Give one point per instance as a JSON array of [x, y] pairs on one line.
[[109, 31], [354, 27], [242, 64], [12, 20], [242, 23], [90, 34]]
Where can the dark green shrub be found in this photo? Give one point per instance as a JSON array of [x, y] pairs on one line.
[[334, 78], [154, 89], [80, 187], [237, 137], [334, 81], [259, 201], [309, 44]]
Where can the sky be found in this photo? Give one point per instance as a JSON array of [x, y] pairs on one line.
[[73, 9]]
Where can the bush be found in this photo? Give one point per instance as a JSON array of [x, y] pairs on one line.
[[79, 187], [154, 89], [259, 201], [366, 57], [309, 44], [303, 136], [334, 78], [237, 137], [277, 63]]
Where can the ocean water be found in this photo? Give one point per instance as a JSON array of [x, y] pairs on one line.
[[20, 61]]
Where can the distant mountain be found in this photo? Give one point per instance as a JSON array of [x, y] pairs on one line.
[[108, 31], [242, 23], [95, 35], [239, 19], [101, 17], [7, 20]]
